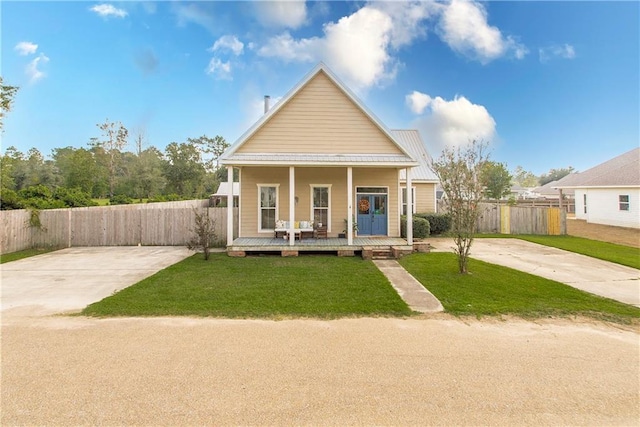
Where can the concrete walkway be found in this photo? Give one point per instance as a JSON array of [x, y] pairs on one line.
[[69, 279], [589, 274], [410, 290]]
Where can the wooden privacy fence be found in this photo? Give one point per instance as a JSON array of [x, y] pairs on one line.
[[153, 224], [505, 219]]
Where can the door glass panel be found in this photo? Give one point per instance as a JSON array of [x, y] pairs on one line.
[[380, 208]]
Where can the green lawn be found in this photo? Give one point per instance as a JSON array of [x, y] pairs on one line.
[[492, 290], [259, 287], [14, 256], [620, 254]]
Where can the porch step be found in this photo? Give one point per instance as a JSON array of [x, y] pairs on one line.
[[385, 252]]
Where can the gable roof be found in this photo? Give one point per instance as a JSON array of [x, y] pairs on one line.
[[223, 189], [621, 171], [232, 156], [411, 141]]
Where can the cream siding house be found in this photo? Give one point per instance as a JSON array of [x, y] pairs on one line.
[[320, 156], [608, 193]]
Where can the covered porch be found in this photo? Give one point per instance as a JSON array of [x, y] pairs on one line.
[[369, 247]]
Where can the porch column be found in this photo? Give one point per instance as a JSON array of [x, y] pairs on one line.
[[230, 206], [350, 206], [409, 208], [292, 205]]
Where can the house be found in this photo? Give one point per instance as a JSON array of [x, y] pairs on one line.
[[219, 198], [608, 193], [320, 156]]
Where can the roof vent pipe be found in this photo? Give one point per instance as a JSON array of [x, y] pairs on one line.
[[267, 98]]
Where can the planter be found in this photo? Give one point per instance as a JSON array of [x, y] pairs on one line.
[[342, 236]]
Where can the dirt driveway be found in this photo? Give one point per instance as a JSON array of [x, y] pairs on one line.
[[396, 372]]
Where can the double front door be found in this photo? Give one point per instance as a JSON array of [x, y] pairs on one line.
[[372, 214]]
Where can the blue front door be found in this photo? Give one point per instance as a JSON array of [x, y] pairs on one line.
[[372, 214]]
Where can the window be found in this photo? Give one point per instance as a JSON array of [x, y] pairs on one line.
[[321, 196], [268, 206], [584, 200], [404, 200], [623, 201]]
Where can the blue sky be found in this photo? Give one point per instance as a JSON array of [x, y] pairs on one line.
[[548, 84]]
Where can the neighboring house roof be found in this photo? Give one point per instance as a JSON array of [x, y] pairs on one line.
[[231, 157], [621, 171], [223, 189], [550, 189], [411, 141]]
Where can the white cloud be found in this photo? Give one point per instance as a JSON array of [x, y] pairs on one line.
[[33, 71], [288, 49], [417, 101], [464, 27], [451, 123], [356, 47], [26, 48], [106, 10], [219, 69], [565, 51], [198, 13], [228, 43], [408, 19], [281, 14]]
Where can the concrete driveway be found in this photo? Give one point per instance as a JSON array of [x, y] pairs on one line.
[[69, 279], [588, 274]]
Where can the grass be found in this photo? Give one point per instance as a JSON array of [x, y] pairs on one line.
[[259, 287], [14, 256], [619, 254], [492, 290]]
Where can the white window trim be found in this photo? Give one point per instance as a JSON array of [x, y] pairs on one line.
[[311, 216], [413, 199], [260, 186], [620, 203]]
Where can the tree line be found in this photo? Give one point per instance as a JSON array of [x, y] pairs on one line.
[[104, 169]]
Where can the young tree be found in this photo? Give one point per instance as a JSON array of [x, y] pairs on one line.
[[7, 93], [460, 172], [205, 232], [115, 140], [496, 180]]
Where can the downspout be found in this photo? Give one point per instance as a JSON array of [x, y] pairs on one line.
[[409, 208]]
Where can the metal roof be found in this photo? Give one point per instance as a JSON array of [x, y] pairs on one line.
[[411, 141], [621, 171], [304, 159], [223, 189]]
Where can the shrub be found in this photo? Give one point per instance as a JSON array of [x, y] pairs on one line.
[[73, 197], [439, 223], [9, 200], [420, 227], [120, 199]]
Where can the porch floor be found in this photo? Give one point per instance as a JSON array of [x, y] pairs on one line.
[[331, 244]]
